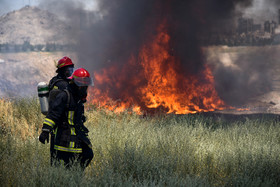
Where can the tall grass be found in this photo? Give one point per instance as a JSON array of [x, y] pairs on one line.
[[132, 150]]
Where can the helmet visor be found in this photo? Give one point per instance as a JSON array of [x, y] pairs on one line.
[[68, 71], [83, 81]]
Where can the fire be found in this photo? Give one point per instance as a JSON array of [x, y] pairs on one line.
[[158, 84]]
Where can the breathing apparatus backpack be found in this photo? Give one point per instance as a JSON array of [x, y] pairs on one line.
[[48, 93], [43, 93]]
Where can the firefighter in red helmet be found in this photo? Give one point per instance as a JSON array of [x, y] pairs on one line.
[[58, 83], [66, 116], [65, 68]]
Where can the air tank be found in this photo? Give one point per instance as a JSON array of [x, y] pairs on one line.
[[43, 93]]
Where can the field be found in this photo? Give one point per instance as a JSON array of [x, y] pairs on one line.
[[133, 150], [161, 150]]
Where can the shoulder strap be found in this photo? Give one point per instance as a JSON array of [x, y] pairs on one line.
[[52, 85], [68, 98]]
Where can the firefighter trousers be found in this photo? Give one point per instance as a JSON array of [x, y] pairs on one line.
[[69, 159]]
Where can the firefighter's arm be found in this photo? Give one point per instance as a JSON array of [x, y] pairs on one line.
[[56, 111], [47, 128]]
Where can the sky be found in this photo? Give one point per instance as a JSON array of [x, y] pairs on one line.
[[10, 5]]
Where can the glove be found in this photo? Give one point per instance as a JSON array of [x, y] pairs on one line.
[[44, 136]]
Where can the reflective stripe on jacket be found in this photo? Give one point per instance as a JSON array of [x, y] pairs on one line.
[[66, 120]]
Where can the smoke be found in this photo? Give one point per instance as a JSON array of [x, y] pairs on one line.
[[243, 73], [274, 2], [263, 10], [127, 25], [110, 36]]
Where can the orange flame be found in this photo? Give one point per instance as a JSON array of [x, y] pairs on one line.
[[166, 86]]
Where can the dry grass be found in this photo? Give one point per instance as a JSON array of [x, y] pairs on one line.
[[132, 150]]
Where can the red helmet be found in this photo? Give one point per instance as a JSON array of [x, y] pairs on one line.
[[81, 77], [65, 61]]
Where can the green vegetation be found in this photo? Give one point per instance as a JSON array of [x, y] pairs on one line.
[[163, 150]]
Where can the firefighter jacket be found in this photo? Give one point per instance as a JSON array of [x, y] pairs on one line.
[[66, 117], [58, 82]]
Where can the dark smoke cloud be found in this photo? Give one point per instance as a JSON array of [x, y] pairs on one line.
[[274, 2], [128, 24], [119, 35], [249, 76], [263, 10], [190, 20], [121, 27]]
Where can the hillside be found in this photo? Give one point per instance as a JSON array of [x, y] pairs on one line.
[[23, 68], [33, 25], [21, 72]]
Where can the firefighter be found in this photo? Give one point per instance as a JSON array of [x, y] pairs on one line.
[[59, 82], [65, 68], [66, 116]]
